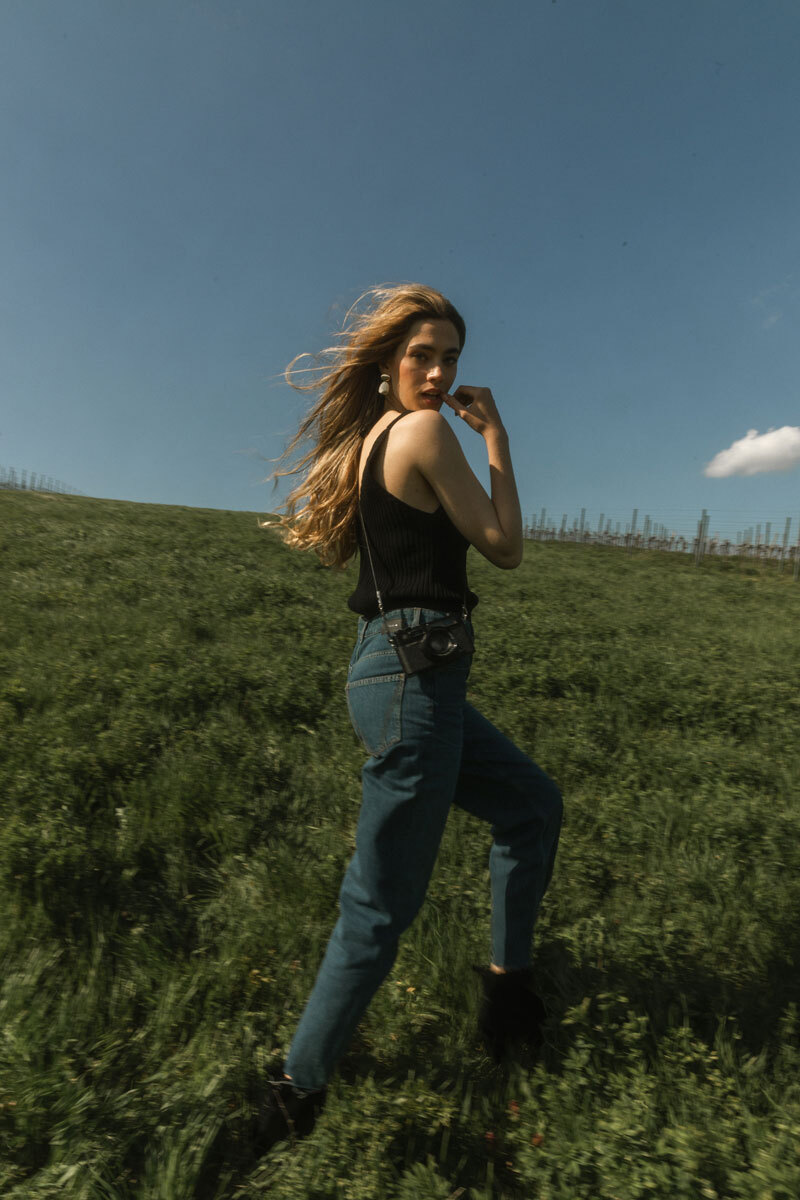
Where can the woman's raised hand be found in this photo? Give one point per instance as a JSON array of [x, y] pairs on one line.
[[476, 406]]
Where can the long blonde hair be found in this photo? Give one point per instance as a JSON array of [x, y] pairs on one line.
[[349, 406]]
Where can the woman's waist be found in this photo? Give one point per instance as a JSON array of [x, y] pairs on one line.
[[443, 593], [411, 615]]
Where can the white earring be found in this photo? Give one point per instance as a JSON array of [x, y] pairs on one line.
[[384, 385]]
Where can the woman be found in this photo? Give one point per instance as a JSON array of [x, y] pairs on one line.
[[389, 477]]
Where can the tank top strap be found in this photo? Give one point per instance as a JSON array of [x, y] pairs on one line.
[[377, 443]]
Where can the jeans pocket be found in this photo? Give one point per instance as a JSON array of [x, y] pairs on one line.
[[375, 707]]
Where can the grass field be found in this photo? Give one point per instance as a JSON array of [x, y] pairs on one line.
[[180, 787]]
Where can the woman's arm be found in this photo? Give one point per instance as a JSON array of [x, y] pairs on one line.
[[504, 492], [493, 526]]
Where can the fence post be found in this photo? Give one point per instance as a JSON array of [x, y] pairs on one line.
[[702, 525], [633, 530], [785, 540]]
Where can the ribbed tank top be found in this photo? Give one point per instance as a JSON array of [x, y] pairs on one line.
[[420, 558]]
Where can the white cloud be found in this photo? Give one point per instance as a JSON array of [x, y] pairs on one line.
[[773, 302], [769, 301], [776, 450]]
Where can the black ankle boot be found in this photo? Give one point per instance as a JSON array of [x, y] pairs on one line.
[[288, 1112], [510, 1010]]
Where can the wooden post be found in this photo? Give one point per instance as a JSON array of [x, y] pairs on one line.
[[633, 530], [702, 526], [785, 540]]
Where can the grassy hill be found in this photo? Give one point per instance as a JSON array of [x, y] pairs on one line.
[[180, 787]]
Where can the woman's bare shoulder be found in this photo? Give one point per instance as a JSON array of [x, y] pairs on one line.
[[427, 433], [424, 423]]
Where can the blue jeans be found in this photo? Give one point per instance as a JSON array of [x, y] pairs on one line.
[[428, 748]]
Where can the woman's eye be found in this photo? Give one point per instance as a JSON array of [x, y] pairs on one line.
[[453, 362]]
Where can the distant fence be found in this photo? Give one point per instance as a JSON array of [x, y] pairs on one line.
[[23, 481], [748, 543]]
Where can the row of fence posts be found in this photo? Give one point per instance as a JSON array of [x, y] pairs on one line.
[[23, 482], [655, 536]]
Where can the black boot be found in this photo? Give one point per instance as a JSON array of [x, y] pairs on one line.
[[288, 1112], [510, 1010]]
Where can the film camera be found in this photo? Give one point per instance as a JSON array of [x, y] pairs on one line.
[[430, 644]]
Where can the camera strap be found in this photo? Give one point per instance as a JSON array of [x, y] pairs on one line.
[[464, 611], [372, 565]]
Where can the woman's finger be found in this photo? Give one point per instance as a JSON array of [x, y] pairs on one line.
[[465, 395], [456, 405], [460, 400]]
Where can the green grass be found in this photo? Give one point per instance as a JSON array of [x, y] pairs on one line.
[[180, 787]]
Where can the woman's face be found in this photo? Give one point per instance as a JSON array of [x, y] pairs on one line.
[[424, 367]]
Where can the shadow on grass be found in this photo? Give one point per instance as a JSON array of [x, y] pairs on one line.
[[459, 1155], [670, 998], [685, 993]]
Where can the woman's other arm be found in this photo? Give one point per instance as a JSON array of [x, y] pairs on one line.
[[493, 526], [505, 499]]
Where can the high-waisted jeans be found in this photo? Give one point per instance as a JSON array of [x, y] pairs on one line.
[[428, 748]]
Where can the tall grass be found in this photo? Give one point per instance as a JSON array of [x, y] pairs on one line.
[[180, 789]]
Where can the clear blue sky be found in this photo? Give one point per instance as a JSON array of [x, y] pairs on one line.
[[194, 191]]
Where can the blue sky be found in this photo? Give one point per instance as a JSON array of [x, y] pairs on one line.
[[609, 191]]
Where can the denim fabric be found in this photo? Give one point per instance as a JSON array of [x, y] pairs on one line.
[[428, 748]]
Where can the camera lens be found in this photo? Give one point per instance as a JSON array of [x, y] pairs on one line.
[[440, 643]]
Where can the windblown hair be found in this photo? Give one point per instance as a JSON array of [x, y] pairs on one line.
[[349, 406]]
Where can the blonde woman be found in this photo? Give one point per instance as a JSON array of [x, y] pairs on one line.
[[387, 477]]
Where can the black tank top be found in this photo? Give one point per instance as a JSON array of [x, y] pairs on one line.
[[420, 558]]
